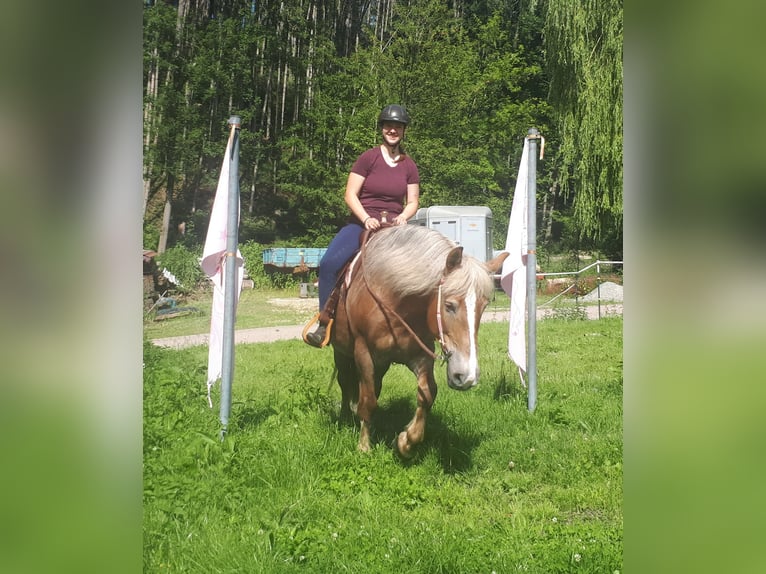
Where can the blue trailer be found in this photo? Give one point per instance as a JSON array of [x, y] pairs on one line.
[[293, 259]]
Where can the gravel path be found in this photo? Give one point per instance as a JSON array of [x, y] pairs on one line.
[[281, 333]]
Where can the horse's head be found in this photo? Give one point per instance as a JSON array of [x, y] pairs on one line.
[[464, 293]]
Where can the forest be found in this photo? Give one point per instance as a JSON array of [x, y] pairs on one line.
[[309, 77]]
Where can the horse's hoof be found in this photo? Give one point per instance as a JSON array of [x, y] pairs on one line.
[[403, 445], [364, 437]]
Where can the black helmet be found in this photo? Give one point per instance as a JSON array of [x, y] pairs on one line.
[[393, 113]]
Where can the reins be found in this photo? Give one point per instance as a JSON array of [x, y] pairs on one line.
[[387, 309]]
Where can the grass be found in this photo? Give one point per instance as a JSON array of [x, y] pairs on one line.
[[492, 488], [256, 309]]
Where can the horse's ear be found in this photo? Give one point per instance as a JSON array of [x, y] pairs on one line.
[[454, 258], [495, 265]]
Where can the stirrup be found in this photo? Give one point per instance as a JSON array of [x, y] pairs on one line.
[[306, 329]]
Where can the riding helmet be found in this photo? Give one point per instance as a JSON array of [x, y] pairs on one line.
[[393, 113]]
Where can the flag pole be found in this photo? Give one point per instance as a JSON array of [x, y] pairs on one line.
[[230, 283], [532, 135]]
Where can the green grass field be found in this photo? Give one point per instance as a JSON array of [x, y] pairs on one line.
[[494, 488], [256, 309]]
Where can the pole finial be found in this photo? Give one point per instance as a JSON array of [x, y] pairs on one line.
[[235, 121], [533, 134]]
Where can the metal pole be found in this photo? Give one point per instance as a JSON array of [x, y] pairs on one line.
[[230, 274], [532, 135], [598, 287]]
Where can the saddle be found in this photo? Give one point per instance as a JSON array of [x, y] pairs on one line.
[[327, 315]]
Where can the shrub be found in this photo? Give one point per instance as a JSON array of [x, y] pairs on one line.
[[183, 262], [253, 254]]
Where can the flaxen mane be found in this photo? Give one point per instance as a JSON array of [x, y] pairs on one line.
[[410, 260]]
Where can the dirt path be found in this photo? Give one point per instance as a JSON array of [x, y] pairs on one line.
[[281, 333]]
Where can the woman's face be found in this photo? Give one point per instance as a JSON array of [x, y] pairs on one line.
[[393, 132]]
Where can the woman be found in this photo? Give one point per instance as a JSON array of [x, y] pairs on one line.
[[383, 181]]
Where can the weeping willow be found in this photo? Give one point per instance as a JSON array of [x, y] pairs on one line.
[[583, 43]]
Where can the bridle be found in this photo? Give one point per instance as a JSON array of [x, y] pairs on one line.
[[446, 353]]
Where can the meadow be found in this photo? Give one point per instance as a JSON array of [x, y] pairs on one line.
[[257, 308], [493, 488]]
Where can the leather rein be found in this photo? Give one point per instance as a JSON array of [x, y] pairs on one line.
[[445, 354]]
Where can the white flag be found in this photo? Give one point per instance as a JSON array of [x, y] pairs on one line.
[[513, 277], [213, 261]]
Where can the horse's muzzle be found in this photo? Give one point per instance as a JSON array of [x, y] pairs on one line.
[[461, 381], [462, 372]]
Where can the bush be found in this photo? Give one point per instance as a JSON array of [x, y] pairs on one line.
[[183, 262], [253, 255]]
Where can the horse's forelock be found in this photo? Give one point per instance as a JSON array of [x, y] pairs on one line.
[[470, 276]]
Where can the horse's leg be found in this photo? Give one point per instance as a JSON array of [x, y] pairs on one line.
[[415, 431], [348, 380], [368, 400]]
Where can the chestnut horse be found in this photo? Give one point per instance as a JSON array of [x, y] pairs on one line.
[[409, 287]]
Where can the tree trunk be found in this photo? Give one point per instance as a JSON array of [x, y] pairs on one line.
[[163, 243], [152, 83], [553, 192], [251, 207]]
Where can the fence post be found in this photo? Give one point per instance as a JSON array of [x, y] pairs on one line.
[[230, 269], [532, 135], [598, 287]]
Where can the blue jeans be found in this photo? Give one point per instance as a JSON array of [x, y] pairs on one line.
[[342, 248]]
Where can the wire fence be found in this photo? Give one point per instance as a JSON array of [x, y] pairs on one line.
[[576, 284]]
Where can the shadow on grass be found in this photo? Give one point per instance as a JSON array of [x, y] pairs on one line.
[[507, 388], [251, 415], [453, 449]]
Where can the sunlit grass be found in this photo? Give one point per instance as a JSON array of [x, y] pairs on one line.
[[493, 487], [256, 309]]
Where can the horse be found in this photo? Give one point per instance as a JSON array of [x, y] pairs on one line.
[[408, 287]]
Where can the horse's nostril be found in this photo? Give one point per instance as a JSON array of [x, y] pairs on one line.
[[460, 381]]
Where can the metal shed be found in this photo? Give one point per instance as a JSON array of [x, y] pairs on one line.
[[295, 259]]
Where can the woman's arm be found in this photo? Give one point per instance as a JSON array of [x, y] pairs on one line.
[[353, 189], [413, 197]]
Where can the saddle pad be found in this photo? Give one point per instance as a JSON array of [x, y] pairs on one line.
[[350, 268]]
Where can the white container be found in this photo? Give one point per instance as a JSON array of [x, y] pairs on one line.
[[466, 225]]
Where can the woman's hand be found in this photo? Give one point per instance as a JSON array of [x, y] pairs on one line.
[[400, 219], [371, 223]]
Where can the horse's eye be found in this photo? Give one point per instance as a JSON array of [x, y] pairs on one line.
[[451, 307]]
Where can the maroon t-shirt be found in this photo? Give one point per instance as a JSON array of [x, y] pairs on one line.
[[384, 187]]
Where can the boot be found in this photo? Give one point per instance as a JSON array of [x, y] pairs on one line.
[[316, 338]]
